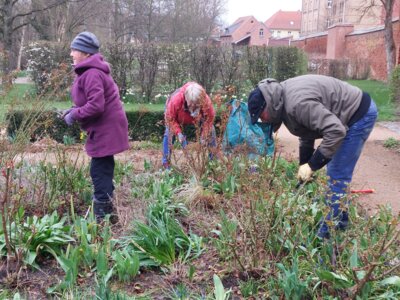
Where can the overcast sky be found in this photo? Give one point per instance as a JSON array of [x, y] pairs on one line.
[[260, 9]]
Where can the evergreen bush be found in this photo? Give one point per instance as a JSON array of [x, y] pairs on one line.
[[143, 125], [49, 67], [395, 86]]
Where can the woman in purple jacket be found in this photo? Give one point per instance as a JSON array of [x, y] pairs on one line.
[[98, 110]]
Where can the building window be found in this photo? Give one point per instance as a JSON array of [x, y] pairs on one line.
[[261, 33], [278, 33], [341, 7], [329, 3]]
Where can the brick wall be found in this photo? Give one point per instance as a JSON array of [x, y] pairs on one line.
[[314, 46], [336, 40], [370, 47], [360, 48]]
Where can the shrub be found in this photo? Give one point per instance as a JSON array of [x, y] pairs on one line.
[[395, 85], [142, 71], [49, 124], [288, 62], [338, 68], [204, 65], [48, 66], [258, 62], [177, 60], [121, 57], [143, 125]]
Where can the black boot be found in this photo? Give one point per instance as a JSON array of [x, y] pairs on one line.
[[103, 208]]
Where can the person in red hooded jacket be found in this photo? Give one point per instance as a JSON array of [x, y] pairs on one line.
[[98, 110], [187, 105]]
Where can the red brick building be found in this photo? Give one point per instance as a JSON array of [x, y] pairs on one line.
[[246, 31]]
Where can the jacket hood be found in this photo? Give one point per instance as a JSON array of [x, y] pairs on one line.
[[94, 61], [273, 93]]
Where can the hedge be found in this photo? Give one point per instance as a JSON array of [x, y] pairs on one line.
[[145, 71], [143, 125]]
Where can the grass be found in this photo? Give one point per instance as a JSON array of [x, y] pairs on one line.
[[127, 107], [379, 91], [22, 92]]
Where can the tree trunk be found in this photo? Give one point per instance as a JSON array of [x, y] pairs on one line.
[[390, 47], [21, 47], [7, 42]]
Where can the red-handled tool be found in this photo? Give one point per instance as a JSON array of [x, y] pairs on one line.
[[366, 191]]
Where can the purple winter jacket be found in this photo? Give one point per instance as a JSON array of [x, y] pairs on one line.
[[98, 108]]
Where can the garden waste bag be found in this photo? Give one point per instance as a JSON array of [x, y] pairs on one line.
[[240, 131]]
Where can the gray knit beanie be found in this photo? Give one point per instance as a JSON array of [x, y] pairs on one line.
[[86, 42]]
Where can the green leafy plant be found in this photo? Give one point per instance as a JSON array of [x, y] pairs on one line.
[[391, 143], [249, 288], [36, 237], [290, 281], [68, 140], [163, 241], [69, 262], [226, 235], [219, 291], [180, 292], [127, 264]]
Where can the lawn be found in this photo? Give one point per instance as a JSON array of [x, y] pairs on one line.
[[378, 90], [20, 95]]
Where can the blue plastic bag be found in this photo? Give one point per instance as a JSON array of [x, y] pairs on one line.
[[240, 131]]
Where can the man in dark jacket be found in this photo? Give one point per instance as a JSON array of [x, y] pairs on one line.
[[313, 107]]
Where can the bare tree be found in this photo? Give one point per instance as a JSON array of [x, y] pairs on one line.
[[14, 15], [389, 40], [390, 47]]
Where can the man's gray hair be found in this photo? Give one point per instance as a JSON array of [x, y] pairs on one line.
[[194, 92]]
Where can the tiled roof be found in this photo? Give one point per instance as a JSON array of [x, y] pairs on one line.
[[285, 20], [246, 29], [229, 30]]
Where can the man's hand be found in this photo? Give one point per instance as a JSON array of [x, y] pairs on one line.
[[305, 173]]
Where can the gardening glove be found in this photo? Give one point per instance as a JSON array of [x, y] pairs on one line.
[[65, 112], [305, 173], [182, 140], [69, 118]]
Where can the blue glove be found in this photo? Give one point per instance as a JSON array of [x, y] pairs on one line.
[[182, 140], [69, 118]]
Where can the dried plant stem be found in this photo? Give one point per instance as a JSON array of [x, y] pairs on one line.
[[355, 290], [237, 257], [4, 211]]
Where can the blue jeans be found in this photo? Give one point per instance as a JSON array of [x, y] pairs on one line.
[[340, 170], [169, 139]]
